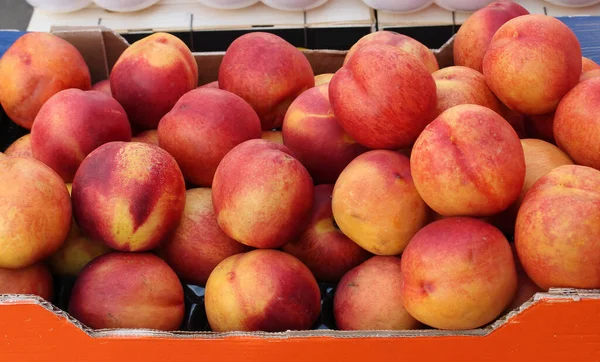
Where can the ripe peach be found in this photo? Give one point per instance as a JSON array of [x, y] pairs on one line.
[[589, 75], [129, 195], [36, 214], [73, 123], [266, 71], [383, 97], [214, 84], [262, 195], [369, 297], [198, 245], [35, 279], [273, 136], [21, 147], [151, 295], [468, 162], [557, 235], [458, 273], [312, 132], [588, 64], [532, 62], [541, 127], [150, 77], [202, 127], [323, 248], [33, 69], [400, 41], [323, 79], [376, 204], [262, 290], [474, 36], [103, 86], [150, 137]]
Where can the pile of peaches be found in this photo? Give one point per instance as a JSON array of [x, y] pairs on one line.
[[402, 183]]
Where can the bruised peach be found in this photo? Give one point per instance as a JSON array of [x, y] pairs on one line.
[[202, 127], [129, 195], [273, 136], [267, 72], [262, 290], [150, 137], [323, 79], [103, 86], [33, 69], [150, 77], [21, 147], [35, 279], [128, 290]]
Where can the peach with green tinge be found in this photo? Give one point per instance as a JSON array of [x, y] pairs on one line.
[[557, 235], [532, 62], [149, 137], [149, 297], [203, 126], [369, 297], [468, 162], [311, 131], [33, 69], [129, 195], [35, 279], [36, 212], [150, 77], [73, 123], [103, 86], [21, 147], [262, 290], [375, 202], [273, 136], [323, 79], [267, 72], [406, 43], [262, 195], [458, 273], [198, 245]]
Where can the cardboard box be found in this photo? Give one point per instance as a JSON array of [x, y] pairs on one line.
[[560, 325]]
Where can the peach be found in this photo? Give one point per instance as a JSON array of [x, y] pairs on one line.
[[322, 247], [266, 71], [33, 69], [198, 245], [21, 147], [36, 214], [150, 137], [73, 123], [150, 77], [273, 136], [588, 64], [541, 127], [150, 297], [35, 279], [400, 41], [576, 124], [590, 74], [214, 84], [129, 195], [468, 162], [103, 86], [312, 132], [461, 85], [375, 202], [526, 288], [383, 97], [262, 290], [323, 79], [262, 195], [458, 273], [532, 62], [515, 119], [557, 234], [369, 297], [202, 127], [474, 36]]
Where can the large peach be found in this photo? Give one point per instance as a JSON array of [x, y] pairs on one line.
[[474, 36], [458, 273], [532, 62], [129, 195], [401, 41], [150, 137], [202, 127], [150, 296], [323, 248], [21, 147], [33, 69], [36, 212], [468, 162], [198, 245], [73, 123], [369, 297], [262, 195], [103, 86], [35, 279], [558, 229], [312, 132], [383, 97], [576, 123], [262, 290], [266, 71], [150, 77], [376, 204]]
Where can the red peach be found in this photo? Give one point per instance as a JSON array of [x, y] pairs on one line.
[[21, 147], [35, 279], [273, 136], [103, 86], [149, 137]]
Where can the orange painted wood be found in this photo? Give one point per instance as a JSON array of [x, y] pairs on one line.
[[557, 329]]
